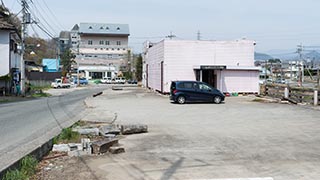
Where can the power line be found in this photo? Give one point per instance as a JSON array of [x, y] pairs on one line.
[[44, 30], [53, 15], [42, 18]]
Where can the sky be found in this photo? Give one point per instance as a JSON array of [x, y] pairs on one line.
[[273, 24]]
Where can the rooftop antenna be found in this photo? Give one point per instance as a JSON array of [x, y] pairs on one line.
[[171, 35]]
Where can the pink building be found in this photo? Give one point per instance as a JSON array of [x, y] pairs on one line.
[[226, 65]]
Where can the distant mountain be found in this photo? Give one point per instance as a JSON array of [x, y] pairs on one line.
[[261, 56], [284, 54], [291, 54], [312, 56]]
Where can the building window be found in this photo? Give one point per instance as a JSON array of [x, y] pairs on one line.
[[107, 43], [124, 49], [109, 74], [107, 28], [118, 43], [90, 27], [107, 49], [101, 27], [118, 29], [90, 42], [118, 49], [101, 42], [112, 49], [101, 48], [95, 48]]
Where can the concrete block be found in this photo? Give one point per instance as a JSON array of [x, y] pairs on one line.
[[103, 146], [75, 146], [109, 129], [116, 149], [87, 131], [133, 129], [61, 148], [86, 145]]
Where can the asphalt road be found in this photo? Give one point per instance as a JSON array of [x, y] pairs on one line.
[[236, 139], [26, 125]]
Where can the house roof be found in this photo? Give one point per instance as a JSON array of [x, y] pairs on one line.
[[101, 28], [75, 27], [64, 35], [5, 25]]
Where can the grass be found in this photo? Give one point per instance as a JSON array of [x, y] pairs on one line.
[[15, 175], [41, 94], [27, 169], [66, 136], [258, 100]]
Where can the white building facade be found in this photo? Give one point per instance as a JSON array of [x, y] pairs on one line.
[[10, 55], [226, 65], [101, 49]]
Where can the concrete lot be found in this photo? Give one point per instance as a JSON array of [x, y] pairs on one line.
[[237, 139]]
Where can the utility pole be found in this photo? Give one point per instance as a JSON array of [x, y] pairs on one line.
[[25, 20], [300, 71], [318, 77], [198, 36]]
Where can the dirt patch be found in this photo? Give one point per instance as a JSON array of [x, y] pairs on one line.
[[64, 167]]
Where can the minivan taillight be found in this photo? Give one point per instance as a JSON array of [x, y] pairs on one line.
[[175, 91]]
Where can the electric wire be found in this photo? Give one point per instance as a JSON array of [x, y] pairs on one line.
[[53, 15], [43, 19], [46, 32]]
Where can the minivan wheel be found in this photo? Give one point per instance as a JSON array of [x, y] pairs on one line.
[[217, 99], [181, 99]]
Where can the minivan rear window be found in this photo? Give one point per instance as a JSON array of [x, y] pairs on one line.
[[173, 85]]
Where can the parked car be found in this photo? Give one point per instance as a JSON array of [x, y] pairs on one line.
[[280, 81], [58, 83], [120, 80], [106, 80], [82, 81], [132, 81], [188, 91]]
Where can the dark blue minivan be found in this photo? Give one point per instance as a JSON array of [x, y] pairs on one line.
[[194, 91]]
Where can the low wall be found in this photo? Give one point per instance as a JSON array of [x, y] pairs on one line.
[[294, 94]]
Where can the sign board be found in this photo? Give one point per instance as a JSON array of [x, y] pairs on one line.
[[212, 67]]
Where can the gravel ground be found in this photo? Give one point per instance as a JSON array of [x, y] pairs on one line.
[[236, 139]]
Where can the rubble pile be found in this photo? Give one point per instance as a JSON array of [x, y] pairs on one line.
[[99, 139]]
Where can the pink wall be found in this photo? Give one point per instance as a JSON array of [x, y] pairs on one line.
[[239, 81], [180, 58]]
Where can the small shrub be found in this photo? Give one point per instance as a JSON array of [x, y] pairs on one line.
[[67, 135], [15, 175], [28, 165]]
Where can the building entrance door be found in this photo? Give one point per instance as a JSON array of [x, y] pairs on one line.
[[209, 77]]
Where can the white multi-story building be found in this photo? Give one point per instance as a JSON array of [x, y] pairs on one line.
[[101, 49], [226, 65]]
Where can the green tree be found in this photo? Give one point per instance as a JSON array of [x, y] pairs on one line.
[[274, 61], [37, 49], [67, 59], [139, 68]]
